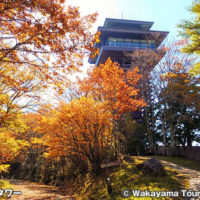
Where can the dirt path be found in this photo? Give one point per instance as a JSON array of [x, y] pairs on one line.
[[192, 175], [35, 191]]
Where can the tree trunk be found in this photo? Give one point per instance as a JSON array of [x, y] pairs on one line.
[[164, 137], [96, 166], [189, 141], [172, 138], [151, 149], [149, 132]]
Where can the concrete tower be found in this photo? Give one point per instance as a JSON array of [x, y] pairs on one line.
[[119, 36]]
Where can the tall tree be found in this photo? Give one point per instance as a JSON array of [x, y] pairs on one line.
[[40, 43], [183, 104], [177, 94], [146, 60], [116, 88]]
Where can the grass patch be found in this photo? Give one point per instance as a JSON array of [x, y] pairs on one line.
[[5, 185], [191, 164], [128, 177]]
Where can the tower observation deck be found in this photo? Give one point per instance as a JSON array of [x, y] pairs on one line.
[[119, 36]]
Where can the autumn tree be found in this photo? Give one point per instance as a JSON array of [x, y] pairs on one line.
[[40, 43], [85, 127], [116, 88], [190, 31], [80, 128], [10, 145], [32, 136], [20, 93], [18, 96], [44, 37]]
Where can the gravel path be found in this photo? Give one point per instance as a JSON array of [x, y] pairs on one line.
[[192, 175], [35, 191]]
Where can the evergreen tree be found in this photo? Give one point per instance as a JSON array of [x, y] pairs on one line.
[[190, 31]]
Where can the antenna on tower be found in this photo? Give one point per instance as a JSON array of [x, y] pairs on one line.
[[122, 15]]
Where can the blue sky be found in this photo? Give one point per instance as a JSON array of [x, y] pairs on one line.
[[165, 14]]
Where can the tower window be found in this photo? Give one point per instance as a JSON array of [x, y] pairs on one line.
[[121, 42]]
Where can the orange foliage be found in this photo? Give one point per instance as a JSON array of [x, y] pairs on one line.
[[41, 42], [43, 38], [85, 127], [116, 88], [81, 127], [10, 145]]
